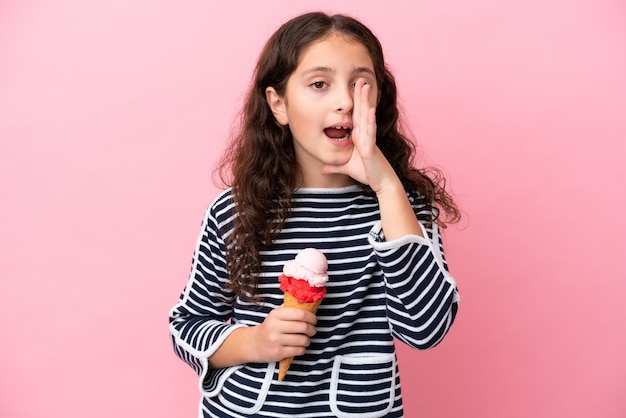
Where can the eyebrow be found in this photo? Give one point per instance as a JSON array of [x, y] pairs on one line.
[[358, 70]]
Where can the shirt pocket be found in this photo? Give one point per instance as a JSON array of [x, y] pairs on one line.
[[246, 388], [363, 386]]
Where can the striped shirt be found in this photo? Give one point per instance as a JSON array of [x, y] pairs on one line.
[[377, 290]]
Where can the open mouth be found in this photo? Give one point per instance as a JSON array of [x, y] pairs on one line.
[[338, 133]]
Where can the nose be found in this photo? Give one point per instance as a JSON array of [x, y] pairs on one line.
[[344, 100]]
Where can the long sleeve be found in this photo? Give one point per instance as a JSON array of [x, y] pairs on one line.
[[422, 298], [198, 322]]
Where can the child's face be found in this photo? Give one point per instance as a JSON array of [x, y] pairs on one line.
[[319, 99]]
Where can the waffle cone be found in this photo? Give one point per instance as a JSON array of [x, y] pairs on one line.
[[292, 302]]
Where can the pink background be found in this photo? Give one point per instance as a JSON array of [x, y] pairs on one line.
[[112, 114]]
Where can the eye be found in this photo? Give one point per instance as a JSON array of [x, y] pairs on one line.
[[365, 82], [318, 85]]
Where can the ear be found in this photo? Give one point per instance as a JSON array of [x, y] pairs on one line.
[[277, 105]]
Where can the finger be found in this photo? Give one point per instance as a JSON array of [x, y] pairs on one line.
[[296, 340], [297, 327], [365, 108], [292, 351], [364, 121], [297, 314], [362, 103], [356, 110], [371, 123]]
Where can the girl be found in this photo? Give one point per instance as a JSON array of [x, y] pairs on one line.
[[319, 161]]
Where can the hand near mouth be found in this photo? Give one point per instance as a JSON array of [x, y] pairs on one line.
[[367, 164]]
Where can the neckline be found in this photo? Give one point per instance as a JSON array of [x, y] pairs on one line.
[[327, 190]]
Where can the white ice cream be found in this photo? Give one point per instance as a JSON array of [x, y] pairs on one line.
[[310, 265]]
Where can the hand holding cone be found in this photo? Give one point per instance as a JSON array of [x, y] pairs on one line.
[[303, 281]]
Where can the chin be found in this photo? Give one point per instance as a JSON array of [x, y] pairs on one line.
[[340, 158], [337, 161]]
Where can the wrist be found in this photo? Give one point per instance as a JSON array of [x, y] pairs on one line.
[[252, 354], [390, 189], [397, 216]]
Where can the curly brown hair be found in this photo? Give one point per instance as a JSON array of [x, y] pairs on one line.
[[260, 163]]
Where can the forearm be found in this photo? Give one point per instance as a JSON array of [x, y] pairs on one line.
[[396, 213]]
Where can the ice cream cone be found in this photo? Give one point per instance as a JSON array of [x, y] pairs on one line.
[[303, 285], [291, 301]]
